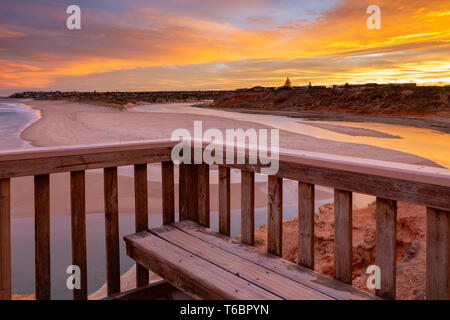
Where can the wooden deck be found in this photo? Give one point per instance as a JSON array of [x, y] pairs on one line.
[[207, 265], [210, 265]]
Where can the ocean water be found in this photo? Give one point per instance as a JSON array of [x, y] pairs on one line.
[[14, 117]]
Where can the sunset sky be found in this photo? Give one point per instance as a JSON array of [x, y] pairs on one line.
[[219, 44]]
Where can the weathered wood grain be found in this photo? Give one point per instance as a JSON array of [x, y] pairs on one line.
[[188, 192], [438, 254], [192, 194], [428, 190], [417, 184], [203, 195], [81, 158], [183, 192], [141, 214], [112, 231], [168, 192], [275, 216], [386, 239], [242, 268], [78, 220], [248, 207], [195, 276], [224, 200], [152, 291], [306, 225], [325, 285], [343, 235], [42, 236], [5, 239]]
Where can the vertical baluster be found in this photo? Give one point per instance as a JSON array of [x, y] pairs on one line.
[[306, 224], [168, 192], [112, 231], [224, 200], [141, 215], [183, 192], [188, 192], [192, 194], [5, 239], [343, 235], [42, 236], [248, 207], [438, 251], [203, 195], [275, 216], [78, 210], [386, 244]]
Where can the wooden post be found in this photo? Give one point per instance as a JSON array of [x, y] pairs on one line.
[[192, 192], [248, 207], [5, 239], [438, 251], [112, 231], [42, 236], [168, 192], [275, 216], [386, 244], [343, 235], [141, 215], [78, 208], [203, 195], [224, 200], [183, 192], [306, 194], [188, 192]]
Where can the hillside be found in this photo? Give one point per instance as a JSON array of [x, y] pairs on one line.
[[378, 99]]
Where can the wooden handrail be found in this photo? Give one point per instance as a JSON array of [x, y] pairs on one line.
[[65, 159]]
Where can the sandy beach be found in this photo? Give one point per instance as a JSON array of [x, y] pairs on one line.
[[66, 123]]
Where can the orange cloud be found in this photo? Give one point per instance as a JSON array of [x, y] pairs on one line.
[[333, 46]]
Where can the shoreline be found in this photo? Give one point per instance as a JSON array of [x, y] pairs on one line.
[[65, 123]]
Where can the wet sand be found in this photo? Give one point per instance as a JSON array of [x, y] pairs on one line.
[[65, 123]]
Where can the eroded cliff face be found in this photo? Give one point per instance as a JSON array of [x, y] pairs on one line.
[[389, 100], [411, 246]]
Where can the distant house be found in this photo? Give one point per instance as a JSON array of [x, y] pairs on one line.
[[258, 88], [301, 87]]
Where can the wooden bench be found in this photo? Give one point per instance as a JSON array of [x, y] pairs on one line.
[[207, 265]]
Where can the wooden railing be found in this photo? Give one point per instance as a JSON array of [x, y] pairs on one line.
[[389, 182]]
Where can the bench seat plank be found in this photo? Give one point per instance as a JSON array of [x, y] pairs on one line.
[[189, 273], [249, 271], [307, 277]]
